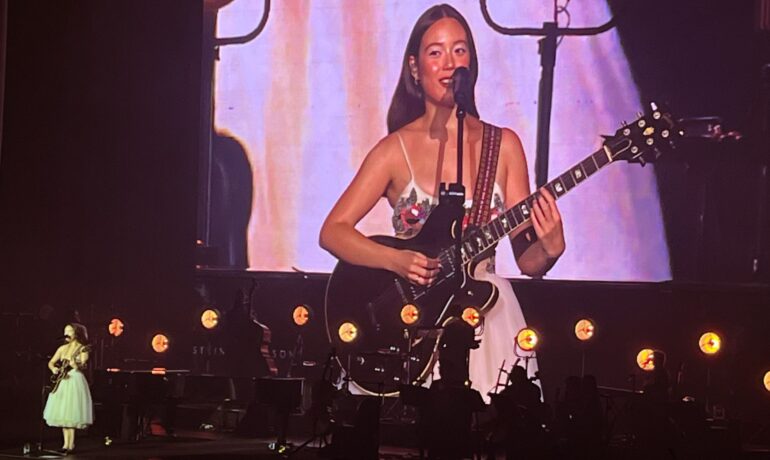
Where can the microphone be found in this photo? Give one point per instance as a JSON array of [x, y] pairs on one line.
[[461, 87]]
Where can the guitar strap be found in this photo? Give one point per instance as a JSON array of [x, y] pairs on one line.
[[485, 180]]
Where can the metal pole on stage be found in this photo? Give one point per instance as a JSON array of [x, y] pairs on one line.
[[550, 32]]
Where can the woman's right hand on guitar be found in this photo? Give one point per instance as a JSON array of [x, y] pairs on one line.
[[414, 266]]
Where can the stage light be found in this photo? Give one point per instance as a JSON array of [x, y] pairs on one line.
[[584, 329], [158, 371], [301, 315], [160, 343], [645, 359], [710, 343], [527, 339], [767, 380], [410, 314], [210, 318], [348, 332], [472, 316], [116, 327]]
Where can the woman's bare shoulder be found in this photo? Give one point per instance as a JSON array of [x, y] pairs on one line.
[[511, 147], [385, 149]]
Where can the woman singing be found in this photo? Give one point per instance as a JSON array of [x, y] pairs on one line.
[[69, 406], [420, 152]]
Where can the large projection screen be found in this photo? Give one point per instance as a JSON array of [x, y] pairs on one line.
[[305, 101]]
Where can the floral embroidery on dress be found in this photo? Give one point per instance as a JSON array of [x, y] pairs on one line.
[[409, 214]]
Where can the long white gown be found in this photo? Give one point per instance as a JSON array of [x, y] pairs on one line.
[[70, 406]]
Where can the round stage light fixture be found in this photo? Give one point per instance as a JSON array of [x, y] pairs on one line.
[[767, 380], [527, 339], [584, 329], [348, 332], [710, 343], [210, 318], [472, 316], [645, 359], [301, 315], [160, 343], [116, 327], [410, 314]]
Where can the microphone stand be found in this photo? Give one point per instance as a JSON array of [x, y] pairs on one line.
[[550, 33], [456, 190]]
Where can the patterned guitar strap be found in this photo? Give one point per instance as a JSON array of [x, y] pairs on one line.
[[485, 181]]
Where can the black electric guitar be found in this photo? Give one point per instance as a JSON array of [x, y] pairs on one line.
[[65, 368], [386, 329]]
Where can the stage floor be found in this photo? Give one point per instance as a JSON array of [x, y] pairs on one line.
[[201, 445], [210, 445]]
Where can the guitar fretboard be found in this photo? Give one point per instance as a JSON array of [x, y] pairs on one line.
[[481, 239]]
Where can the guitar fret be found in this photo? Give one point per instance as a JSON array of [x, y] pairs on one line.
[[601, 158], [578, 174], [480, 243], [498, 226], [469, 250], [549, 186], [593, 158], [559, 188], [488, 238], [505, 221], [589, 166], [567, 180]]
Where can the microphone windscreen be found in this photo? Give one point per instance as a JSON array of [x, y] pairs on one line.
[[461, 87]]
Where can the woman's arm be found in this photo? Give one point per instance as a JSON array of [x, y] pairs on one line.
[[340, 237], [54, 359], [538, 244]]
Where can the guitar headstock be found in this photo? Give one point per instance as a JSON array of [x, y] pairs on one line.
[[644, 140]]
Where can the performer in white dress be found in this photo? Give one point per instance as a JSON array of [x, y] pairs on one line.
[[69, 407], [420, 152]]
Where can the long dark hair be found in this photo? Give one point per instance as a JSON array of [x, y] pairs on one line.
[[408, 100], [81, 333]]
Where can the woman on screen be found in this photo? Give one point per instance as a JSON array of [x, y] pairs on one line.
[[419, 152]]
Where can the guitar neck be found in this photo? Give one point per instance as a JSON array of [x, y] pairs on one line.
[[481, 239]]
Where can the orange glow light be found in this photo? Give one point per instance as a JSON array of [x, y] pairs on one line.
[[348, 332], [710, 343], [116, 327], [301, 315], [584, 329], [210, 318], [160, 343], [645, 359], [410, 314], [472, 316], [158, 371], [527, 339], [767, 380]]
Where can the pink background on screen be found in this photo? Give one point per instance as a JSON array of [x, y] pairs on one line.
[[308, 99]]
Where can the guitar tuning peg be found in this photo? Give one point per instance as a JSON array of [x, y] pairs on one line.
[[624, 123]]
